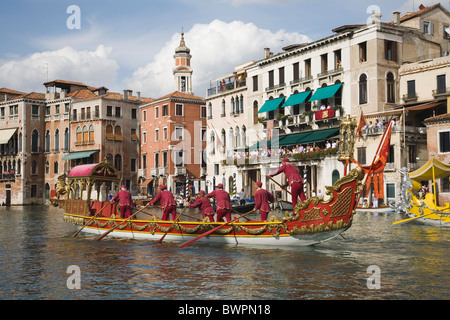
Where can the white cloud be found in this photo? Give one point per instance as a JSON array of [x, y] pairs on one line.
[[216, 48], [30, 72]]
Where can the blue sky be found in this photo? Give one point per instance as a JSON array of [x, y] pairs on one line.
[[130, 44]]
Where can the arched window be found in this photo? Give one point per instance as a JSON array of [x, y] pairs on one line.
[[85, 134], [118, 133], [363, 89], [66, 139], [223, 137], [91, 133], [223, 108], [233, 109], [118, 162], [55, 167], [20, 142], [237, 135], [255, 112], [231, 139], [47, 141], [241, 104], [79, 135], [109, 132], [209, 110], [57, 140], [335, 176], [212, 143], [244, 136], [35, 141], [390, 88]]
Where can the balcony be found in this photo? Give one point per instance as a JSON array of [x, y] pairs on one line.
[[142, 173], [410, 97], [180, 171], [329, 73], [301, 80], [154, 171], [441, 92], [162, 171]]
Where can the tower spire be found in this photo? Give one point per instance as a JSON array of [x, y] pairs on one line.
[[183, 71]]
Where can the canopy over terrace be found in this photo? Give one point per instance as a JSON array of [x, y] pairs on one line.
[[433, 169], [94, 174]]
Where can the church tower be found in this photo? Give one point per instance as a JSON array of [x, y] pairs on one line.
[[183, 71]]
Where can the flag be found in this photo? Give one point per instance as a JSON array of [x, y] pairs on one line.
[[380, 158], [362, 123]]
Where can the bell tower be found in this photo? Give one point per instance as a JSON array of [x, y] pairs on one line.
[[183, 71]]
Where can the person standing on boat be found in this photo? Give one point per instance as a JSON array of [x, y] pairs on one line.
[[167, 202], [125, 202], [223, 203], [262, 199], [205, 206], [294, 180]]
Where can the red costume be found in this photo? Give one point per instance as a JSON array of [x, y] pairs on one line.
[[294, 180], [262, 199], [223, 203], [125, 202], [167, 202], [205, 206]]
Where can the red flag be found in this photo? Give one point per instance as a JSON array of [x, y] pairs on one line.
[[380, 158], [362, 123]]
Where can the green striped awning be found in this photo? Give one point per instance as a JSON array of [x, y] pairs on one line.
[[79, 155], [271, 105], [325, 92], [297, 98], [307, 137]]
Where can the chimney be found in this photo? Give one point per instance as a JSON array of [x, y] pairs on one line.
[[396, 18], [138, 95], [266, 53], [125, 95]]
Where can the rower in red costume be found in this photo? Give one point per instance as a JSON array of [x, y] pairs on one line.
[[262, 199], [205, 206], [125, 202], [295, 181], [222, 201], [167, 202]]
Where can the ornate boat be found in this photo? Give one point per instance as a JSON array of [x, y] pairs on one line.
[[426, 210], [313, 221]]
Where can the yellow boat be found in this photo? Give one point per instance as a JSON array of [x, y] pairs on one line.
[[425, 210]]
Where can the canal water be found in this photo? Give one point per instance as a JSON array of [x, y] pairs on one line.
[[373, 260]]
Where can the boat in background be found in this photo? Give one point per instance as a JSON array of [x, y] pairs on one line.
[[425, 211]]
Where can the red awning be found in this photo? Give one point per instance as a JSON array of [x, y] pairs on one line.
[[423, 106]]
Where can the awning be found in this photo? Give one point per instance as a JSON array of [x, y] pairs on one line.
[[423, 106], [297, 98], [6, 134], [271, 105], [325, 92], [425, 172], [79, 155], [307, 137]]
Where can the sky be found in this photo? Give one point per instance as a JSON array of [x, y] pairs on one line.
[[130, 44]]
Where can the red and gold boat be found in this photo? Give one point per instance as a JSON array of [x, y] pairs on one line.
[[312, 221]]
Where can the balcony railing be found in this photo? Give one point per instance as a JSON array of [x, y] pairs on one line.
[[180, 171], [410, 97], [441, 92]]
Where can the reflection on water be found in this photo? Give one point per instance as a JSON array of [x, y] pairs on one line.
[[37, 247]]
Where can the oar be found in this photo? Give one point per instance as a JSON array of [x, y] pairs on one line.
[[76, 233], [162, 238], [409, 219], [129, 218], [279, 185], [239, 213], [211, 231]]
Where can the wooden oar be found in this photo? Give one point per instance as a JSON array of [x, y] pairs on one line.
[[76, 233], [239, 213], [129, 218], [409, 219], [279, 185], [162, 238], [211, 231]]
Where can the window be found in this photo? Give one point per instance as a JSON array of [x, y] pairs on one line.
[[444, 141], [109, 133], [74, 115], [144, 137], [91, 133], [179, 133], [156, 134], [210, 111], [144, 161], [118, 133], [88, 112], [165, 133], [56, 140], [216, 169], [79, 133], [271, 80], [337, 59], [179, 110], [412, 153], [281, 76], [255, 112], [390, 158], [165, 110], [203, 111], [362, 155], [441, 85], [117, 112], [390, 50], [133, 113], [47, 167], [296, 71], [144, 115], [390, 190], [255, 83], [47, 141], [109, 111], [363, 89], [324, 63], [66, 139], [411, 87], [133, 165], [134, 136], [165, 159], [55, 167], [446, 31], [212, 143], [308, 68], [362, 51], [445, 184], [427, 27], [118, 162], [34, 167], [223, 108], [156, 112], [156, 159], [390, 88], [97, 112], [34, 111]]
